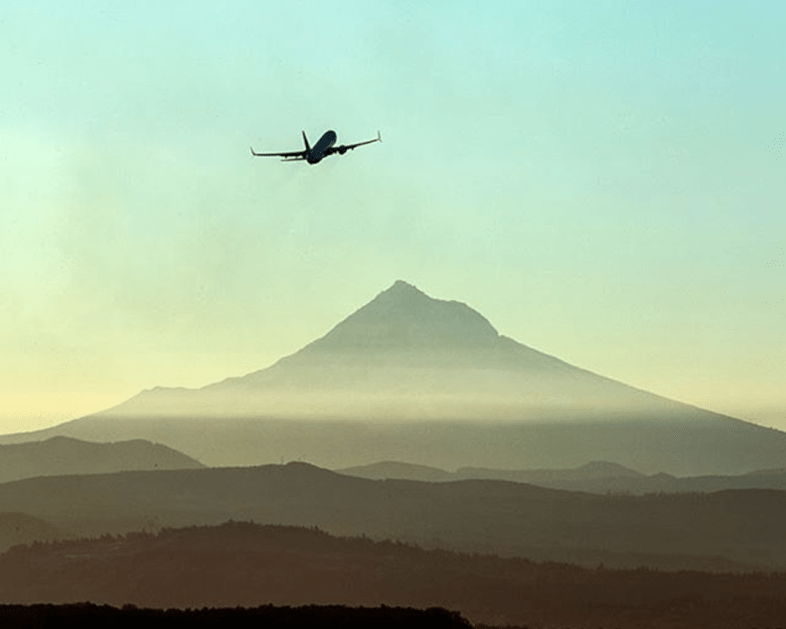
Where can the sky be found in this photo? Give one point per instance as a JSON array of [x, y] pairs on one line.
[[603, 181]]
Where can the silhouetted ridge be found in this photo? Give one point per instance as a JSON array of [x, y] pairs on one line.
[[90, 616], [61, 455], [404, 317], [739, 529]]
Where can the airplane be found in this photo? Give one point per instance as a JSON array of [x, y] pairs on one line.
[[323, 148]]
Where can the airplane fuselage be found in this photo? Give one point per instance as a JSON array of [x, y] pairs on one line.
[[322, 149], [317, 152]]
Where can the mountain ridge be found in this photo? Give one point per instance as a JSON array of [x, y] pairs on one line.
[[59, 455], [596, 477], [513, 519]]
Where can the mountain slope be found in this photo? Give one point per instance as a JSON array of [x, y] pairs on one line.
[[405, 355], [408, 377]]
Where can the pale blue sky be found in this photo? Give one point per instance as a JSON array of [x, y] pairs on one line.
[[603, 181]]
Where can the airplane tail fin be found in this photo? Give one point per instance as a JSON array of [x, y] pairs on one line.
[[305, 140], [379, 137]]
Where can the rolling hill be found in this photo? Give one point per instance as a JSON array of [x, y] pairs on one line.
[[58, 456], [20, 528], [596, 477], [727, 530], [241, 563]]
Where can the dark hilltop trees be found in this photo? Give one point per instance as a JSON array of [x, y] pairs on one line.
[[241, 564], [88, 616]]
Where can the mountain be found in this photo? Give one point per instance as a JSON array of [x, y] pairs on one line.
[[63, 455], [401, 471], [407, 356], [728, 530], [409, 377], [244, 564], [589, 473]]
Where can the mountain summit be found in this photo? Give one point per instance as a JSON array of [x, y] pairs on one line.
[[405, 346], [405, 317], [411, 378]]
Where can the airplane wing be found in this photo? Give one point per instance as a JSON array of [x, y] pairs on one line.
[[292, 155], [343, 148]]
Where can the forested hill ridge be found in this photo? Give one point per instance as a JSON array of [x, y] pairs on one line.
[[410, 377], [244, 564], [21, 528], [91, 616]]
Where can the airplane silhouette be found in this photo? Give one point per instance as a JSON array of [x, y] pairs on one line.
[[315, 154]]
